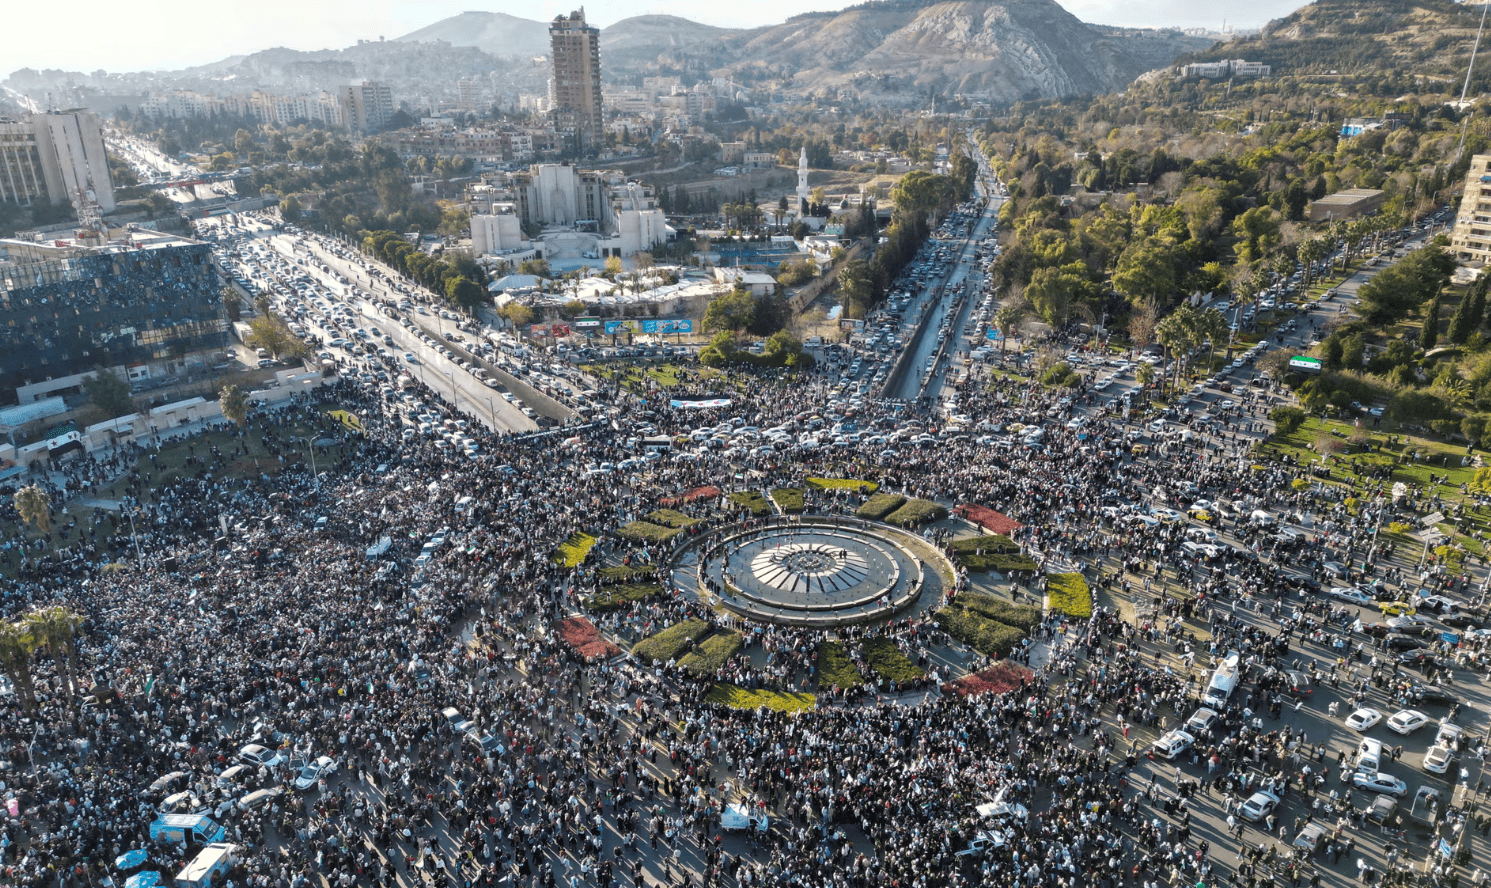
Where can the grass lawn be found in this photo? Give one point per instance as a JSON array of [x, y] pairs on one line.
[[621, 595], [887, 661], [671, 642], [573, 550], [752, 500], [835, 669], [789, 499], [843, 484], [737, 697]]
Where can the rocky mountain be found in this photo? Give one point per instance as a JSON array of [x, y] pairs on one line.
[[496, 33], [1382, 38], [884, 50]]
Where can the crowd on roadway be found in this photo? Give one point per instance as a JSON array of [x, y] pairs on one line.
[[396, 612]]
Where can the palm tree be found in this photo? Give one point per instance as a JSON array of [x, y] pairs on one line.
[[16, 646], [35, 508], [55, 628], [234, 403]]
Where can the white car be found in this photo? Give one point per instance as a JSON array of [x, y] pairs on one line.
[[1407, 721], [1386, 784], [254, 754], [1173, 744], [314, 771], [1438, 759], [1200, 720], [1258, 806], [1363, 718]]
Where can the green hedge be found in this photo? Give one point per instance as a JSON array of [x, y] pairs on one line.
[[1021, 616], [1069, 594], [835, 669], [989, 637], [843, 484], [881, 504], [613, 597], [672, 518], [671, 642], [647, 532], [996, 543], [627, 573], [753, 500], [737, 697], [710, 655], [886, 660], [789, 499], [995, 552], [572, 551], [916, 512]]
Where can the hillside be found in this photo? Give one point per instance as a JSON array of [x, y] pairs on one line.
[[1379, 37], [898, 51], [496, 33]]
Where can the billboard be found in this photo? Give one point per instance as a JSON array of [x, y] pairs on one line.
[[651, 325], [559, 331], [993, 335], [1304, 364], [538, 331], [587, 323]]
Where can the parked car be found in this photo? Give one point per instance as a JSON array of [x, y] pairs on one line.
[[314, 771], [1407, 721], [1386, 784], [1363, 719], [1258, 806]]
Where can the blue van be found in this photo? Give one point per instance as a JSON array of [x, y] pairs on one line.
[[186, 829]]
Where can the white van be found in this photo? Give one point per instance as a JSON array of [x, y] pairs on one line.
[[1368, 756]]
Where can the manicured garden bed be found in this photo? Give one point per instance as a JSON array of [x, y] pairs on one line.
[[1021, 616], [886, 660], [572, 552], [916, 512], [737, 697], [688, 496], [789, 499], [844, 484], [628, 572], [835, 668], [672, 518], [710, 655], [1069, 594], [581, 634], [670, 643], [1001, 678], [881, 504], [752, 500], [647, 532], [613, 597], [989, 637], [987, 518], [985, 553]]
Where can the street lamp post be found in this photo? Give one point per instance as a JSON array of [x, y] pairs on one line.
[[310, 448], [135, 536]]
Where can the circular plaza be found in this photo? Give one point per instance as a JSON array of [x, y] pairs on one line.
[[810, 572]]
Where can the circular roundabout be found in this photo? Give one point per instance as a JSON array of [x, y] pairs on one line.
[[809, 572]]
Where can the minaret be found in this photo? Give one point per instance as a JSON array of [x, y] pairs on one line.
[[802, 183]]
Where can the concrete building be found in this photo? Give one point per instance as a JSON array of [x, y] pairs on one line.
[[1225, 68], [51, 157], [1353, 203], [366, 106], [1471, 240], [498, 231], [575, 91]]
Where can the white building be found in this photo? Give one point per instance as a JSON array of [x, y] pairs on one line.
[[500, 231], [53, 157]]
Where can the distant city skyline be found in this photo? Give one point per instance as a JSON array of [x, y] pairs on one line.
[[86, 35]]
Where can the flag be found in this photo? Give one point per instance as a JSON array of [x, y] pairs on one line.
[[1445, 849]]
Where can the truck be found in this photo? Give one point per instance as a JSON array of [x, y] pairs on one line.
[[1223, 682], [186, 829], [208, 866]]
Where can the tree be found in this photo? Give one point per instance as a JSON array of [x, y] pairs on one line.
[[1051, 292], [274, 336], [55, 629], [16, 647], [1144, 375], [1429, 333], [290, 209], [731, 312], [465, 293], [857, 285], [1353, 351], [109, 393], [234, 403], [517, 313], [1287, 419], [613, 267], [573, 308], [35, 508]]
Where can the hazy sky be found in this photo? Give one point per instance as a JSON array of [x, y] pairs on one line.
[[129, 35]]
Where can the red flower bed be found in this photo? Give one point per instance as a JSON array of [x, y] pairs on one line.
[[1001, 678], [697, 493], [987, 518], [581, 634]]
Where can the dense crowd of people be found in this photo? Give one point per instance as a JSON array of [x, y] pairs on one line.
[[230, 613]]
